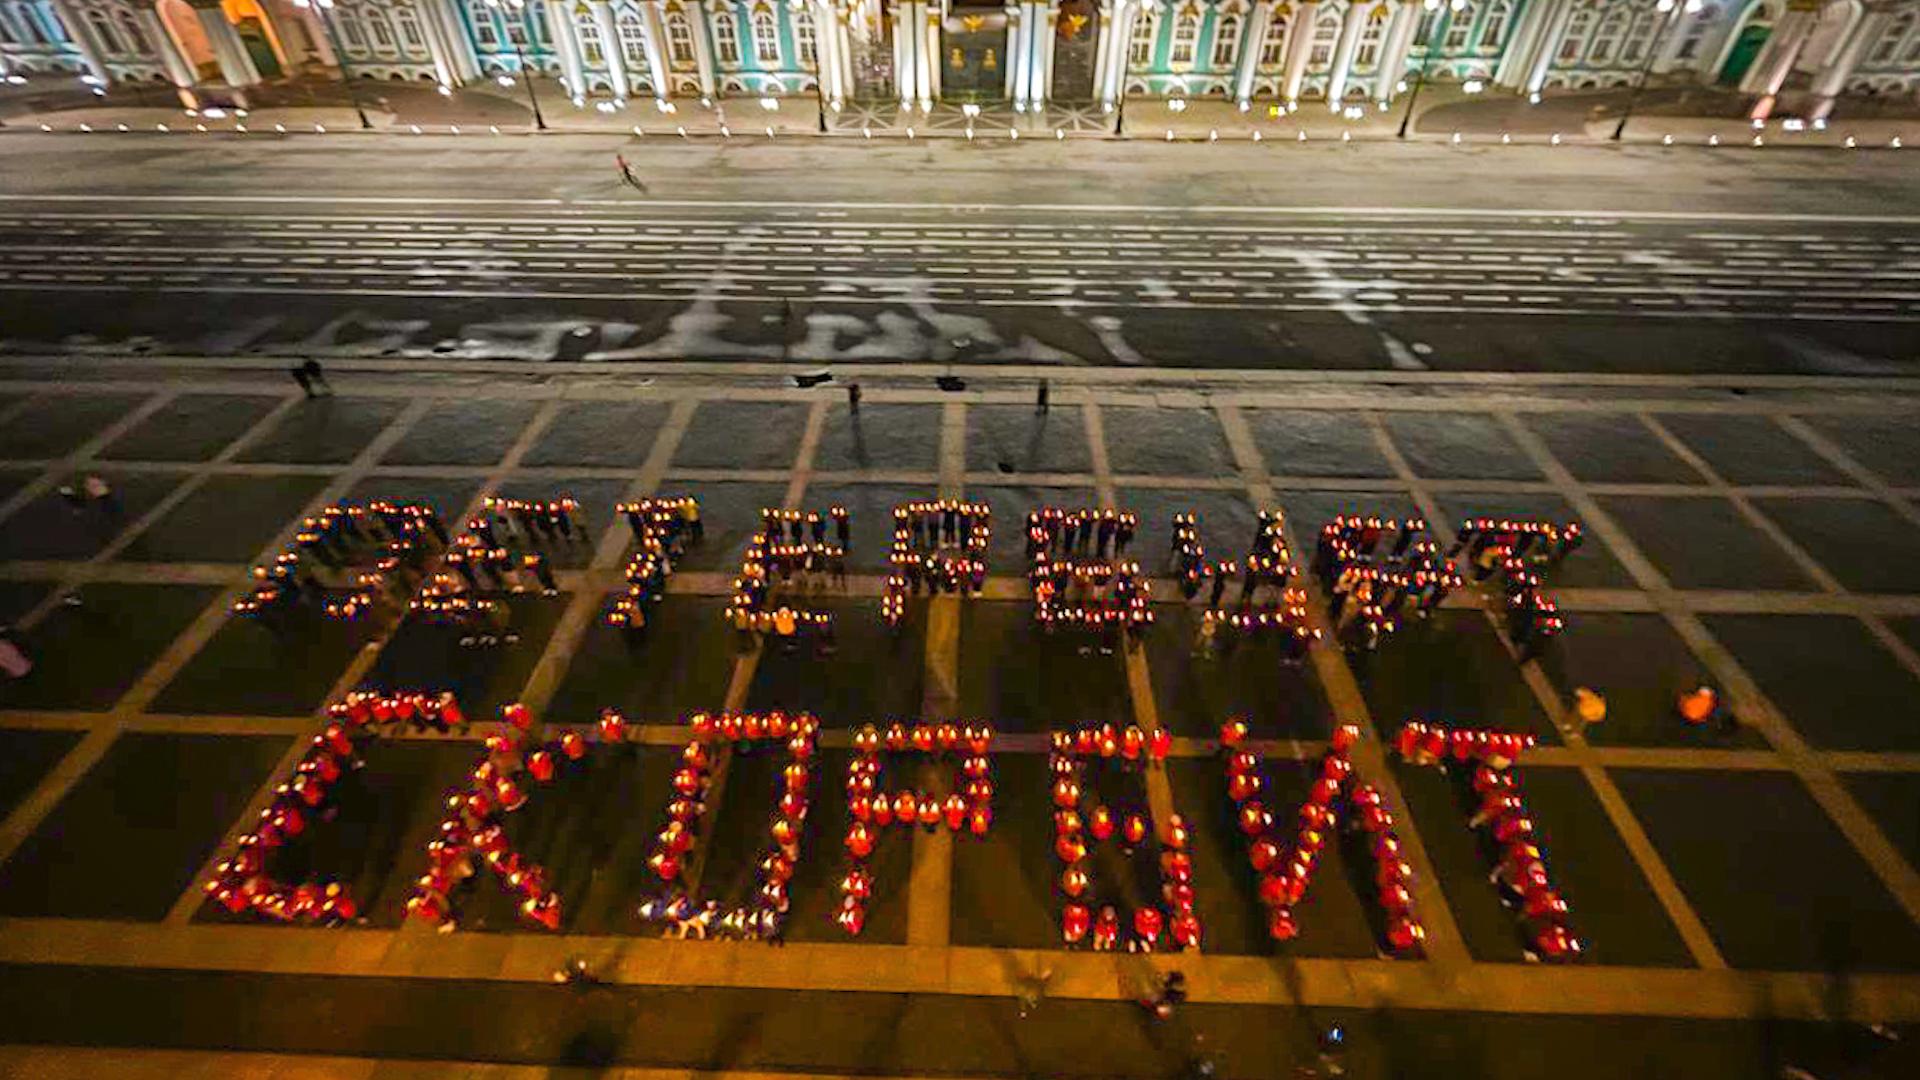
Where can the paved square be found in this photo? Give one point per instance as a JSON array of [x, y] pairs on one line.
[[742, 435], [1316, 443], [52, 527], [86, 655], [1014, 439], [25, 758], [127, 840], [260, 667], [191, 427], [55, 425], [1751, 449], [879, 438], [227, 519], [463, 433], [1861, 542], [1837, 685], [603, 433], [1704, 543], [1457, 445], [1887, 444], [1615, 448], [1642, 666], [1776, 885], [324, 431], [1165, 441]]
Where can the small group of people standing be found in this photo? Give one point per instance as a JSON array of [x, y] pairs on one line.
[[349, 560]]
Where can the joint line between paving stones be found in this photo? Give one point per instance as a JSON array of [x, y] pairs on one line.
[[1446, 947], [83, 453], [1693, 932], [1750, 702]]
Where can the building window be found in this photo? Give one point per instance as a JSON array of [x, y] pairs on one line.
[[679, 38], [1226, 41], [1607, 38], [726, 39], [1368, 54], [1494, 25], [537, 29], [136, 37], [1459, 29], [409, 29], [803, 40], [633, 39], [1186, 33], [1140, 49], [1423, 33], [103, 29], [484, 34], [378, 26], [592, 46], [1575, 41], [1273, 47], [350, 29], [1326, 33], [766, 39]]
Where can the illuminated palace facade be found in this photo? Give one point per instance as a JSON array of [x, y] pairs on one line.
[[1340, 53]]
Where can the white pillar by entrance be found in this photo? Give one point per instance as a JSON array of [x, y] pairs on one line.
[[1248, 62], [453, 34], [1547, 46], [1019, 27], [929, 52], [1832, 79], [906, 41], [1299, 47], [1044, 41], [653, 20], [172, 57], [1516, 57], [236, 67], [573, 68], [1393, 53], [91, 54], [702, 48], [1344, 50], [611, 47], [445, 68], [1776, 60]]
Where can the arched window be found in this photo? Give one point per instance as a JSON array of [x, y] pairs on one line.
[[1575, 41], [410, 35], [633, 39], [1458, 29], [726, 38], [1326, 34], [1273, 46], [1368, 54], [803, 40], [1607, 38], [136, 36], [679, 38], [1640, 38], [1494, 25], [103, 30], [1226, 41], [1423, 32], [36, 33], [1140, 48], [538, 29], [351, 30], [1889, 44], [593, 47], [1186, 34], [485, 34], [766, 39]]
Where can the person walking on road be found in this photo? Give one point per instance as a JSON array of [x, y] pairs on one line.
[[626, 174]]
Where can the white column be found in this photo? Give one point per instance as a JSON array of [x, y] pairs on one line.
[[1769, 71], [1299, 47], [653, 19], [316, 33], [1514, 58], [906, 83], [173, 58], [1044, 43], [1018, 27], [573, 68], [703, 48], [1393, 51], [929, 51], [1832, 79], [1548, 44], [445, 68], [611, 48], [236, 67], [90, 52], [1248, 62], [453, 30], [1343, 50]]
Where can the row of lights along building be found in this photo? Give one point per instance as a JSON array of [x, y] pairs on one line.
[[1346, 54]]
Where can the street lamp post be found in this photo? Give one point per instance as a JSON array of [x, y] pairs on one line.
[[1426, 57], [323, 8], [1126, 68], [539, 121], [1665, 8]]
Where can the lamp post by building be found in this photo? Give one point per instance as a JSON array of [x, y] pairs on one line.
[[517, 7], [1126, 68], [322, 11], [1426, 57], [1665, 10]]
